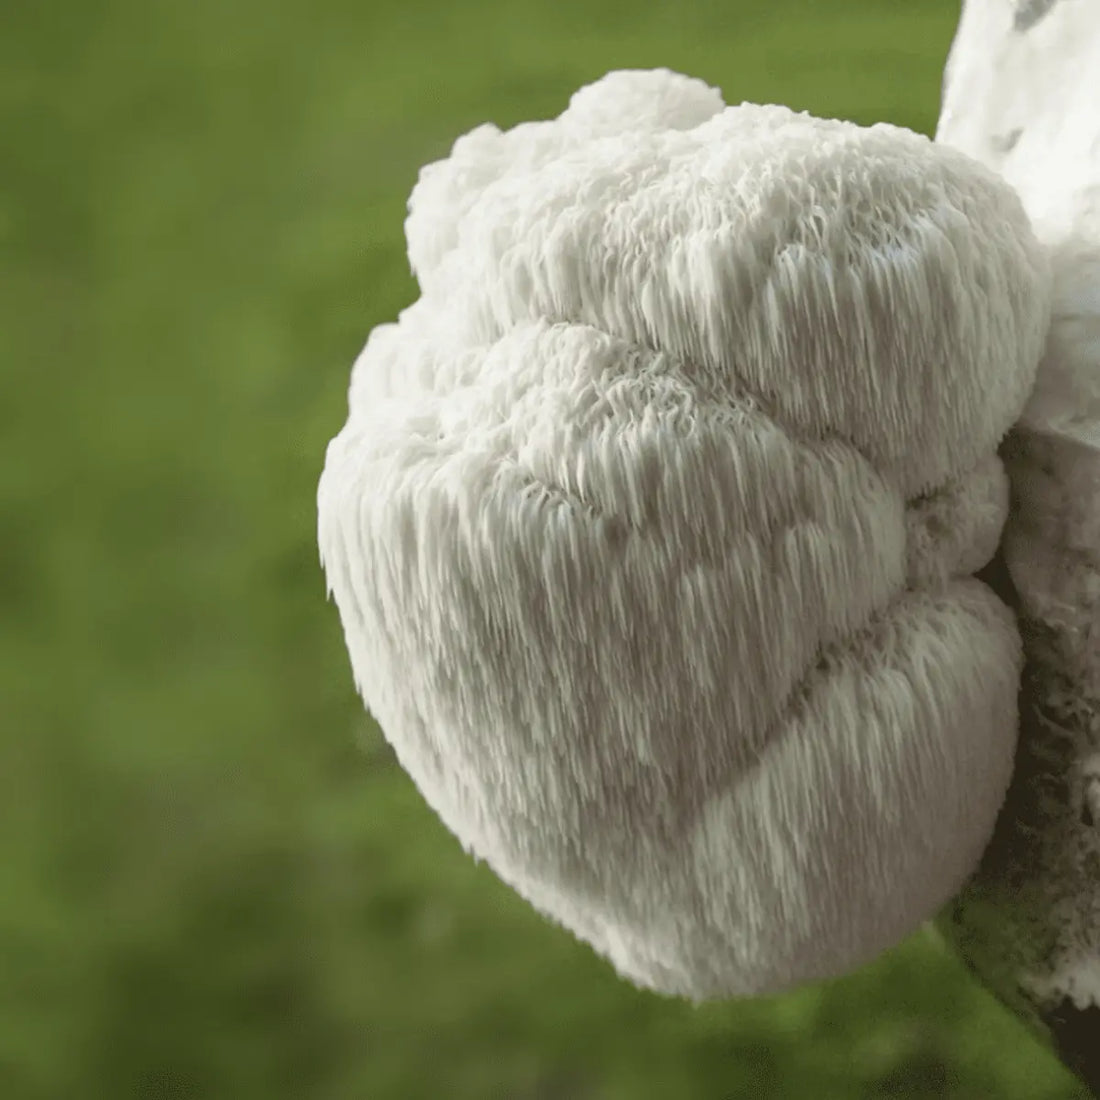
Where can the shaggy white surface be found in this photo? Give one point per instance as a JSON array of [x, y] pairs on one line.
[[1022, 94], [650, 524]]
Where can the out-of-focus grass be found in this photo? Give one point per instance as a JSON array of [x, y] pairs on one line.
[[215, 882]]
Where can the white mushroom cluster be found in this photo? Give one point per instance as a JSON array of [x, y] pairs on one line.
[[652, 524]]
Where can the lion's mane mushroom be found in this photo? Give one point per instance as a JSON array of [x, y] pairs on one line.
[[652, 522]]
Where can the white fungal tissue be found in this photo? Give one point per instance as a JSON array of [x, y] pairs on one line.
[[652, 524]]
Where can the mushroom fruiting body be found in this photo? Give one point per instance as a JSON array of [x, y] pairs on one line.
[[652, 522]]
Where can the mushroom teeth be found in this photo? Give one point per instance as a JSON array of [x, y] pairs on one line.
[[652, 522]]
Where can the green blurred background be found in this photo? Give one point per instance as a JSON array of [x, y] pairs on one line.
[[214, 881]]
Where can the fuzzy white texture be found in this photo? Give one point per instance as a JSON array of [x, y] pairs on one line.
[[1021, 94], [1025, 104], [651, 522]]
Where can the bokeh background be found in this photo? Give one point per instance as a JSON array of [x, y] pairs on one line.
[[214, 880]]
